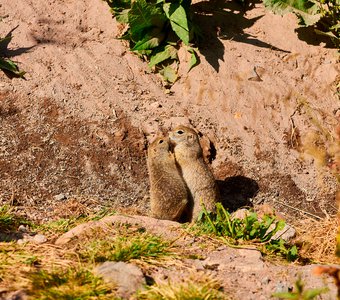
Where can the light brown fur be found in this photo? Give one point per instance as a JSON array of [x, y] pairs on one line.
[[168, 192], [196, 174]]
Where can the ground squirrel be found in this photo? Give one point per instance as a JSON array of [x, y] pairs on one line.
[[168, 192], [196, 174]]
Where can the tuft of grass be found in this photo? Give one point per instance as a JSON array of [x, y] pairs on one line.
[[250, 229], [300, 293], [125, 246], [9, 221], [317, 239], [63, 225], [15, 260], [201, 287], [74, 283]]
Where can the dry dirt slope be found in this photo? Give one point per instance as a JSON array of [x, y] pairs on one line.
[[78, 125]]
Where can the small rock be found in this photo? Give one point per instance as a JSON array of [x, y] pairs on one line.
[[198, 265], [60, 197], [39, 239], [21, 241], [265, 280], [287, 233], [240, 214], [128, 278], [16, 295], [282, 287], [23, 228], [155, 105]]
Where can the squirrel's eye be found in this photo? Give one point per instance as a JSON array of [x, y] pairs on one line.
[[160, 141], [180, 132]]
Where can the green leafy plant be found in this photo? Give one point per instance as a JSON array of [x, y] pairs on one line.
[[322, 15], [300, 293], [7, 64], [156, 30], [251, 228]]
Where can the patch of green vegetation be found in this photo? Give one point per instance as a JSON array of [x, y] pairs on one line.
[[322, 15], [251, 228], [70, 284], [300, 293], [156, 30], [7, 64], [124, 247], [14, 259], [65, 224], [200, 288], [9, 221]]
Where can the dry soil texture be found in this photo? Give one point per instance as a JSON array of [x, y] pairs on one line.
[[78, 125]]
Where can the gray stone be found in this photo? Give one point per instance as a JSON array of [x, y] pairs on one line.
[[128, 278], [60, 197], [287, 233], [23, 228], [16, 295], [282, 287], [39, 239], [240, 214]]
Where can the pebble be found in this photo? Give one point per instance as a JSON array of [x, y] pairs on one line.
[[60, 197], [127, 277]]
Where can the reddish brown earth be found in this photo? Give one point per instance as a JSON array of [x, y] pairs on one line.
[[78, 126]]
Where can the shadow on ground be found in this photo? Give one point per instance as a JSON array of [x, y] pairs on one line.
[[220, 20]]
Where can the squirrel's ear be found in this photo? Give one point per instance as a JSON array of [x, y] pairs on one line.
[[190, 137]]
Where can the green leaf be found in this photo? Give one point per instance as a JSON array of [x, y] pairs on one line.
[[329, 34], [293, 254], [123, 16], [10, 66], [178, 20], [169, 74], [286, 295], [194, 60], [306, 10], [169, 52], [149, 42], [120, 9], [311, 294], [144, 18]]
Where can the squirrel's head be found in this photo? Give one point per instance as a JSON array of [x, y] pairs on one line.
[[185, 140], [159, 146]]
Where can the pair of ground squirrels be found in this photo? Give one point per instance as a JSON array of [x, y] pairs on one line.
[[180, 181]]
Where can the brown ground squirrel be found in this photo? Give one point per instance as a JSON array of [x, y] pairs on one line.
[[196, 174], [168, 192]]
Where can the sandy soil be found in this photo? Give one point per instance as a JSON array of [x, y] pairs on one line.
[[78, 126]]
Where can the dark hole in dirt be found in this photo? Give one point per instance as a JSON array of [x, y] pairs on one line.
[[237, 191]]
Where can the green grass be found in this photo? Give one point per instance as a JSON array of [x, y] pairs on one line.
[[124, 246], [70, 284], [200, 288], [236, 232], [9, 221], [63, 225]]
